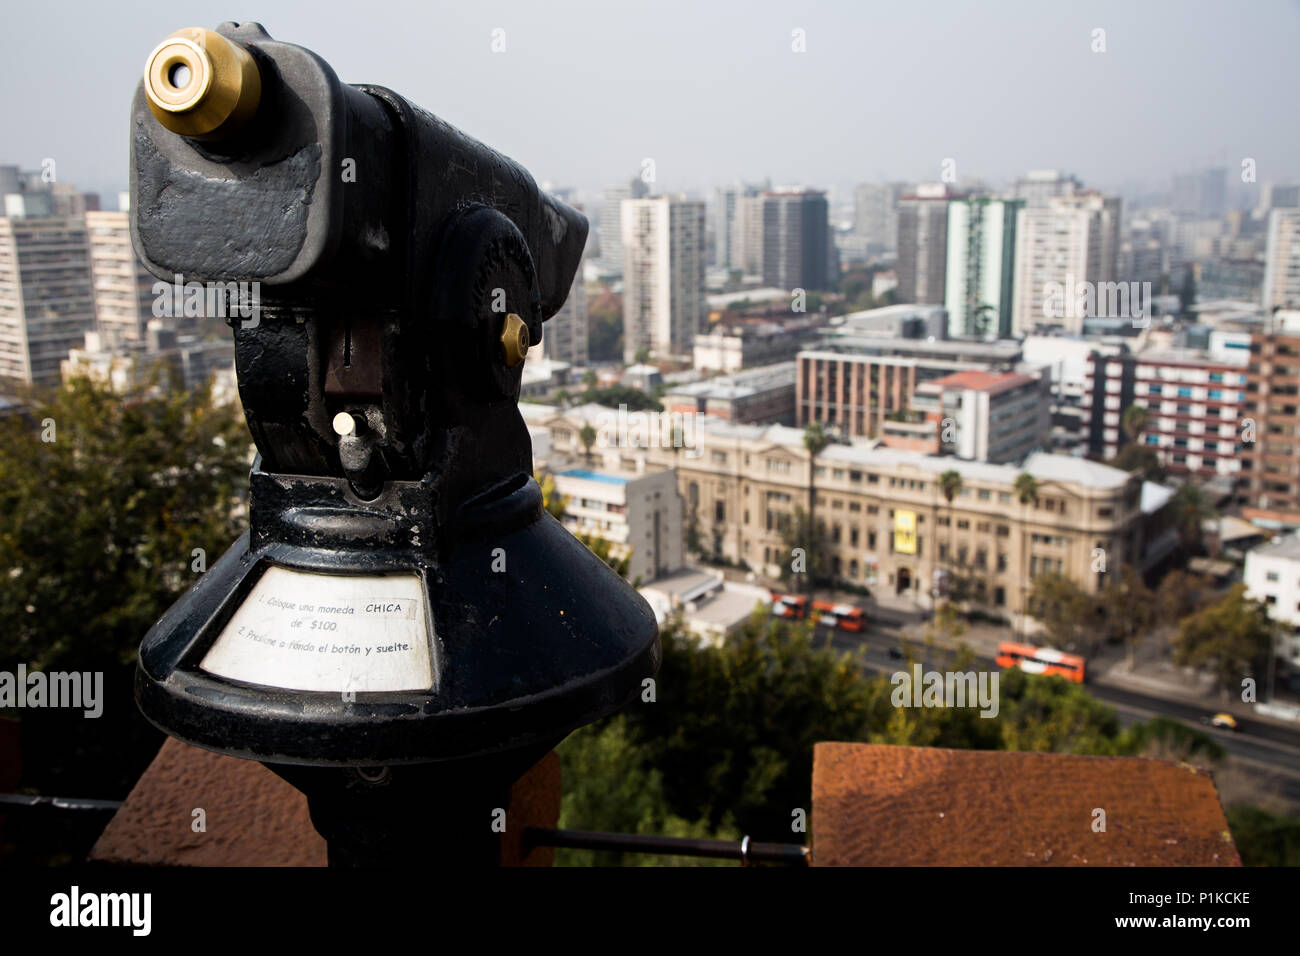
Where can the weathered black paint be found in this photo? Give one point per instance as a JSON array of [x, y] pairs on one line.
[[397, 272]]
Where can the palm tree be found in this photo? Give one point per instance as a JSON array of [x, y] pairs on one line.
[[1026, 488], [950, 486], [1134, 422], [587, 435], [815, 440], [1191, 509]]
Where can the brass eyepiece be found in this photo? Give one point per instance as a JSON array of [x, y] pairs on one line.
[[200, 84]]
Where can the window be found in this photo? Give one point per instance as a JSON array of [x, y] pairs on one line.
[[984, 494], [719, 511], [1272, 576], [962, 524], [777, 466], [718, 457]]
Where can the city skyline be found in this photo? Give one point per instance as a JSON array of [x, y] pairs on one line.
[[1127, 119]]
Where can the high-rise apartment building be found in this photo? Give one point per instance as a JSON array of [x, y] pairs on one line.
[[1194, 401], [727, 237], [664, 251], [565, 334], [1282, 266], [1067, 240], [980, 280], [46, 301], [796, 239], [875, 213], [123, 288], [1270, 452], [611, 230], [923, 245]]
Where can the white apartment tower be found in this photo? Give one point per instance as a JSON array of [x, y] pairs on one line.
[[46, 302], [123, 288], [611, 230], [1063, 239], [1282, 269], [664, 251]]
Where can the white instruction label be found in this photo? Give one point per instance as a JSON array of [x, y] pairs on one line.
[[327, 632]]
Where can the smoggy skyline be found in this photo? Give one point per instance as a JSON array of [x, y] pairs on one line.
[[583, 92]]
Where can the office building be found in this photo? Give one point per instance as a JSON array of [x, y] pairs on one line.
[[858, 383], [997, 417], [759, 395]]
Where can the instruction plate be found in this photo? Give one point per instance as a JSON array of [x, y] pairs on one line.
[[327, 632]]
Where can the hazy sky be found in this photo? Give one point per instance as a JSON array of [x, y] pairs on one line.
[[712, 91]]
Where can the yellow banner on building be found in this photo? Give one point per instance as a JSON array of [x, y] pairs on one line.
[[905, 532]]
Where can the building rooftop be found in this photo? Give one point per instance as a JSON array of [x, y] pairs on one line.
[[876, 805], [1065, 469], [980, 381], [741, 384], [1286, 546]]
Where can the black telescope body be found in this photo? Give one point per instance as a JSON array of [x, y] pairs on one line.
[[393, 271]]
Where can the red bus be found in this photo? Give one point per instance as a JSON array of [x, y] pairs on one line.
[[845, 617], [1041, 660], [794, 607]]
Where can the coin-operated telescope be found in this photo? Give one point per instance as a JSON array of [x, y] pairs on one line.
[[403, 631]]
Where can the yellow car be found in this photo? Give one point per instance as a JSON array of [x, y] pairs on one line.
[[1222, 721]]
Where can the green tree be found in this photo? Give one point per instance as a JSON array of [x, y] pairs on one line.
[[1180, 594], [1134, 422], [797, 532], [554, 502], [642, 356], [587, 435], [815, 440], [613, 396], [1065, 610], [1191, 509], [105, 527], [1230, 637], [589, 378], [1142, 460], [950, 487], [1263, 838], [1026, 491], [1127, 609]]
